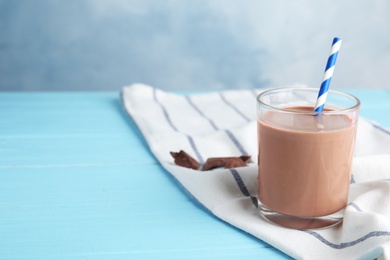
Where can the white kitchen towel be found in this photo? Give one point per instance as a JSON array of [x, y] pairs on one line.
[[224, 124]]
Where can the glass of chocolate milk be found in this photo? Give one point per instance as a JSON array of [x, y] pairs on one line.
[[304, 157]]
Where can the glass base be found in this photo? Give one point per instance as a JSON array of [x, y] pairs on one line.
[[300, 222]]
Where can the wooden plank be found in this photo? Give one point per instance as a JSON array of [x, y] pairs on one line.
[[77, 180]]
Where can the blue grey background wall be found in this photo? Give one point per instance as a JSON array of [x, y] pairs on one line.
[[181, 44]]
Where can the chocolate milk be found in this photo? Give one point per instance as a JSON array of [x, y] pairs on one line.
[[305, 162]]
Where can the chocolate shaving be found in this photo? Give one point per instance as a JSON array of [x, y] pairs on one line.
[[227, 162], [185, 160]]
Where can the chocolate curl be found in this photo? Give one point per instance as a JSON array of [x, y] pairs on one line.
[[184, 159], [227, 162]]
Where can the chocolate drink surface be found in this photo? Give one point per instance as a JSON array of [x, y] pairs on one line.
[[304, 162]]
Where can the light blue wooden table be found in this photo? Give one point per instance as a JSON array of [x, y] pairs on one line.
[[77, 181]]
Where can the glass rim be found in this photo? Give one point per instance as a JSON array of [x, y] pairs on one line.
[[315, 90]]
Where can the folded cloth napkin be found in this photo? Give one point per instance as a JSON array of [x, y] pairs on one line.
[[224, 124]]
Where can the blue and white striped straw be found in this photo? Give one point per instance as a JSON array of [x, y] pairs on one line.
[[334, 51]]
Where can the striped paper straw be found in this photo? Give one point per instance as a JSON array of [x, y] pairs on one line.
[[334, 51]]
